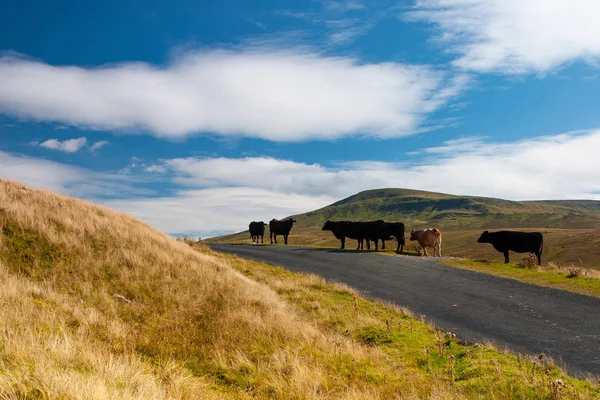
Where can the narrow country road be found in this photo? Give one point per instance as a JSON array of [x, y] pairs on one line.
[[475, 306]]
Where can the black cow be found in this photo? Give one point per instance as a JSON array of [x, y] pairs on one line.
[[392, 229], [346, 229], [257, 229], [369, 231], [277, 227], [520, 242], [380, 230]]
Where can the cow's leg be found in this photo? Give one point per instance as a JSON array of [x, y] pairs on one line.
[[376, 244], [261, 239], [275, 237], [382, 244], [285, 239], [425, 251], [343, 243], [506, 260], [539, 257]]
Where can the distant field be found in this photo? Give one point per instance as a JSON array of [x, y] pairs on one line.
[[571, 228]]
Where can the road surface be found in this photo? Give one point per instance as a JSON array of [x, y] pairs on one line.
[[475, 306]]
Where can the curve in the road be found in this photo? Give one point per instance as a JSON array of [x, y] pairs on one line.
[[475, 306]]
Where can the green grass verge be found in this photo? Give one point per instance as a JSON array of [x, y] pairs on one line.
[[542, 277]]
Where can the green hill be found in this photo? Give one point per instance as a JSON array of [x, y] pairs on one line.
[[571, 227], [457, 212]]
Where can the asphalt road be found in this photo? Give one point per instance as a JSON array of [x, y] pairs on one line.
[[475, 306]]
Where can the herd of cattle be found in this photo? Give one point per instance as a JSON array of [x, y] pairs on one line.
[[374, 231]]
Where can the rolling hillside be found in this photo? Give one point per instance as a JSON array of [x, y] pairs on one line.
[[571, 227]]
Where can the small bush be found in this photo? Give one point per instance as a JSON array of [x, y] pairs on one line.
[[574, 272], [529, 262]]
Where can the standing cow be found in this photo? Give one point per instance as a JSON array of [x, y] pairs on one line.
[[257, 229], [520, 242], [277, 227], [431, 237], [346, 229]]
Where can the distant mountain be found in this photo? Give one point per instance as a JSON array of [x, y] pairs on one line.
[[450, 212]]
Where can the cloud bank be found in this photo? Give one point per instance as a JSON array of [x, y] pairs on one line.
[[515, 36], [221, 195], [269, 94]]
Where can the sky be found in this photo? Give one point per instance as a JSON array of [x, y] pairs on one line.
[[201, 116]]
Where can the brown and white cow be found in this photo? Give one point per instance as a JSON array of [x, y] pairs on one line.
[[431, 237]]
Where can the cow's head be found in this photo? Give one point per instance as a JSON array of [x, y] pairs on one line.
[[328, 225], [414, 235], [262, 223], [484, 238]]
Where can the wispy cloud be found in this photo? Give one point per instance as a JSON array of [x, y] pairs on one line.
[[514, 36], [98, 145], [66, 178], [275, 95], [68, 146]]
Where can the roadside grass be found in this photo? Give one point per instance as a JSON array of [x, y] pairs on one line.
[[571, 277], [98, 305], [431, 358]]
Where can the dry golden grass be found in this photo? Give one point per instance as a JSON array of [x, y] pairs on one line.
[[98, 305]]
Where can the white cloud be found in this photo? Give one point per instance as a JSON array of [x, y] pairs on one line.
[[515, 36], [98, 145], [547, 167], [155, 168], [68, 146], [275, 95]]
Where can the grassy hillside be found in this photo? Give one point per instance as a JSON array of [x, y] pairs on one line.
[[571, 227], [98, 305]]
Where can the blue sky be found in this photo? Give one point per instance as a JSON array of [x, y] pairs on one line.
[[199, 117]]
